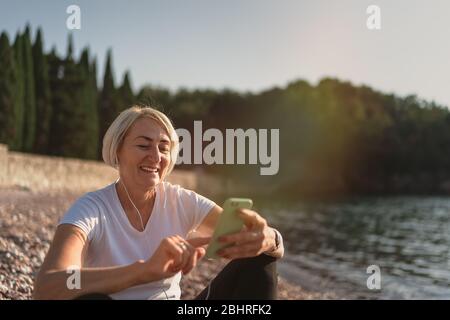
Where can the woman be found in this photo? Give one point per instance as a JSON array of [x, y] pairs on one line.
[[129, 239]]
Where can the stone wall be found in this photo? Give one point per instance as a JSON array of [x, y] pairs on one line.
[[38, 173], [3, 164], [45, 173]]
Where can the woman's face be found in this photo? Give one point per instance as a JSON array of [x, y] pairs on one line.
[[144, 155]]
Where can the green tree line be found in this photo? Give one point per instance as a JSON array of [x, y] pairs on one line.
[[53, 105], [335, 137]]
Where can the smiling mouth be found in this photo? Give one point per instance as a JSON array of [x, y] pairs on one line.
[[149, 169]]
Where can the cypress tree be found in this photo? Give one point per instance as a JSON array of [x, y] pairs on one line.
[[70, 125], [93, 72], [75, 120], [43, 99], [126, 93], [17, 143], [29, 126], [8, 83], [64, 82], [70, 47], [94, 109], [108, 105], [58, 98], [95, 88], [88, 104]]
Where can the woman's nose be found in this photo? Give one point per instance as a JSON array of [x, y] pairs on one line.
[[154, 155]]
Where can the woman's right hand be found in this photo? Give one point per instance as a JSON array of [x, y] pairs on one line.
[[174, 254]]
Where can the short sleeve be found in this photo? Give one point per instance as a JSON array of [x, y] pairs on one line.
[[199, 206], [84, 214]]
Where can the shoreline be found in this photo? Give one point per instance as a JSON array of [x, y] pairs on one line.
[[27, 224]]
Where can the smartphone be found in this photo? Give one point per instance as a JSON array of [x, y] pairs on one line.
[[229, 222]]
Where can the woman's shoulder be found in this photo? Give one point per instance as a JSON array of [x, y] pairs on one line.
[[175, 190], [95, 200], [105, 192], [89, 211]]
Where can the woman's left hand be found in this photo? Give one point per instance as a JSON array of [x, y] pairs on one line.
[[257, 237]]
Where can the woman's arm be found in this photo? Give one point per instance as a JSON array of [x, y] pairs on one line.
[[207, 226], [68, 249]]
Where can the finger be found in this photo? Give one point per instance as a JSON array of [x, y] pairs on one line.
[[188, 251], [175, 251], [200, 241], [242, 237], [251, 218], [200, 253], [176, 254], [242, 251], [240, 255], [191, 263], [253, 247], [187, 257]]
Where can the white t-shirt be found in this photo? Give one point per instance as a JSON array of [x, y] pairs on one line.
[[113, 241]]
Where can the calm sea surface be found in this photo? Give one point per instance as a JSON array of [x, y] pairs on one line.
[[331, 244]]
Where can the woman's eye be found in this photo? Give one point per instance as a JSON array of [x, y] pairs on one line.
[[142, 146]]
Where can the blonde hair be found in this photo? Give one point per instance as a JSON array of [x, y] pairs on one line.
[[118, 129]]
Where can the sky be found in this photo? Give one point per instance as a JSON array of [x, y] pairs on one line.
[[253, 45]]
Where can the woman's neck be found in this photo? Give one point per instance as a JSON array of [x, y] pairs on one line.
[[142, 199]]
